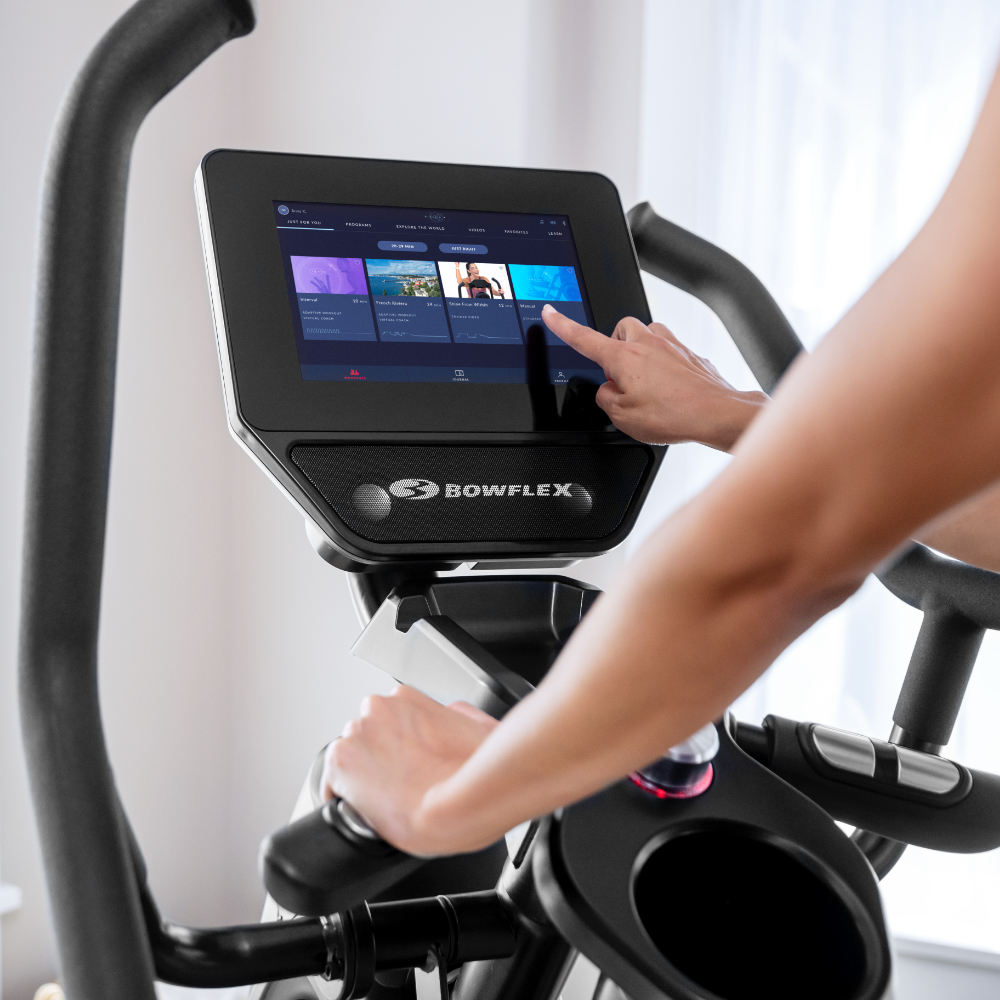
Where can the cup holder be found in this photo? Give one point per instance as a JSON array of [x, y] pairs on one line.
[[744, 919]]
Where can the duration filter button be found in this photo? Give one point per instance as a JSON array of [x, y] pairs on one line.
[[462, 248], [398, 246]]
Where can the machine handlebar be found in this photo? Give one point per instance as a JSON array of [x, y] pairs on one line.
[[898, 793], [924, 579], [729, 288], [154, 45], [328, 861]]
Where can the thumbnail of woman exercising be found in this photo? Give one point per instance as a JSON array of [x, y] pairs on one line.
[[893, 421], [476, 285]]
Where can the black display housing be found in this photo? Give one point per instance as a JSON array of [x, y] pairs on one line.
[[272, 410]]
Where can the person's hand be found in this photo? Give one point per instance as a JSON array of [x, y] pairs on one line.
[[388, 759], [658, 391]]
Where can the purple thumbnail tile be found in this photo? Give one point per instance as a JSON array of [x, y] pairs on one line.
[[329, 275]]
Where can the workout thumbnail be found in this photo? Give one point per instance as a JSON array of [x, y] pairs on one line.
[[474, 280], [403, 277], [333, 298], [329, 275], [537, 284], [545, 283], [480, 305], [406, 295]]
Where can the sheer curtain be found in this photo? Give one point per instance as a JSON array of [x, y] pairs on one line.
[[811, 140]]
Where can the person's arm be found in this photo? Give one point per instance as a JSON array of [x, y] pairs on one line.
[[894, 419], [970, 531]]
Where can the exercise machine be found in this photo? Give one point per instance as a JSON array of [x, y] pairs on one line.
[[717, 872]]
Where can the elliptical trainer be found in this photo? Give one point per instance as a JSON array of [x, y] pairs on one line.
[[749, 810]]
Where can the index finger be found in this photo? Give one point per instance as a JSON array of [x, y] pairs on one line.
[[589, 343]]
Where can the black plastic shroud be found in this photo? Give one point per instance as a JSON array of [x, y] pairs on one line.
[[649, 891]]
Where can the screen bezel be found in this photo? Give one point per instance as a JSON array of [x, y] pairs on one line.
[[270, 395]]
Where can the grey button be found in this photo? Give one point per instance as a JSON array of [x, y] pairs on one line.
[[399, 246], [462, 248], [926, 772], [846, 751]]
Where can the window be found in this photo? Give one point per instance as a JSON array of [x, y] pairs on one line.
[[811, 140]]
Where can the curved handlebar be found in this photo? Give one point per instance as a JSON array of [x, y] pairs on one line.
[[95, 904], [731, 290], [924, 579], [959, 603]]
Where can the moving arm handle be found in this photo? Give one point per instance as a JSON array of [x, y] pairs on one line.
[[923, 579], [898, 793], [330, 860], [147, 52], [731, 290], [959, 603]]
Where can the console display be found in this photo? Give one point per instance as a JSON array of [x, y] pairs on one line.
[[409, 295]]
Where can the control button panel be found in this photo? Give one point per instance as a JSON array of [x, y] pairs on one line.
[[886, 765], [925, 772], [846, 751]]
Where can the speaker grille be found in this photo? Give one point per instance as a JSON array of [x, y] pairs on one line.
[[396, 493]]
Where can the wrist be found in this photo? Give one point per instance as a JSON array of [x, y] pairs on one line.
[[734, 416], [453, 818], [443, 824]]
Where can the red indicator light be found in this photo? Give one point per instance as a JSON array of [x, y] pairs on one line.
[[701, 785]]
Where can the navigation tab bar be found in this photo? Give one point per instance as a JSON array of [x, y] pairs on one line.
[[440, 373]]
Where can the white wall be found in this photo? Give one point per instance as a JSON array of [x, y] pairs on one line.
[[224, 643]]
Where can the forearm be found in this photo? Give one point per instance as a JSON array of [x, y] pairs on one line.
[[711, 600], [656, 657], [970, 532], [804, 512]]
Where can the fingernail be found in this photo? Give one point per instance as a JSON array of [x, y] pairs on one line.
[[547, 306]]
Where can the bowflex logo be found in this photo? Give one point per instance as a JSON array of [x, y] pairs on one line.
[[541, 490], [414, 489], [375, 503]]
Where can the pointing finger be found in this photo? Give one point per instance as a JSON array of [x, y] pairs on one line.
[[589, 343]]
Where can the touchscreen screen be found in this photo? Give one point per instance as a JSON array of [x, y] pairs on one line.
[[414, 295]]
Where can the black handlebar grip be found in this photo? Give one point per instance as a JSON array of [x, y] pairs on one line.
[[939, 672], [329, 861], [961, 820], [730, 289]]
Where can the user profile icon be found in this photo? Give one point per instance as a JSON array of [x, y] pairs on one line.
[[283, 209]]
